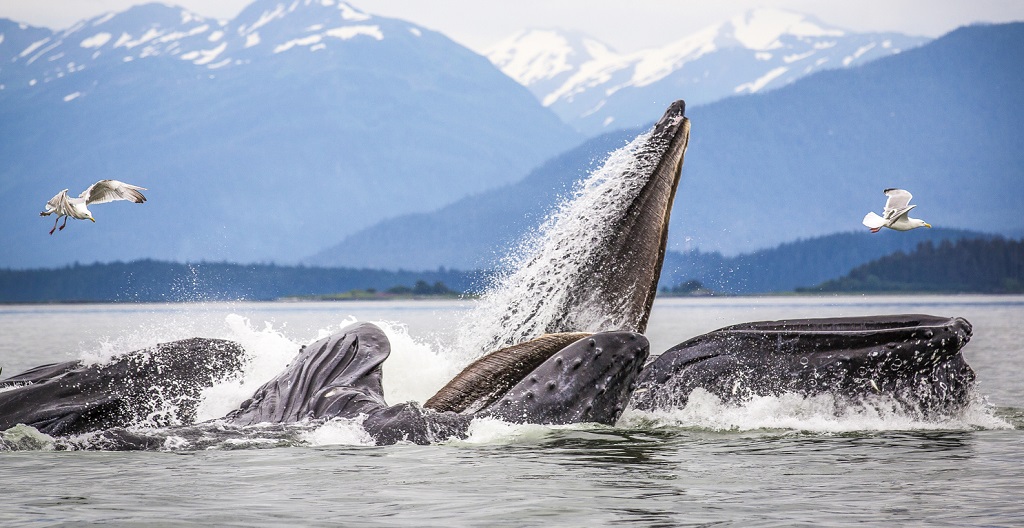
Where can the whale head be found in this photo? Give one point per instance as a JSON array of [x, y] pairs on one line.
[[915, 359], [588, 381], [339, 375], [594, 263]]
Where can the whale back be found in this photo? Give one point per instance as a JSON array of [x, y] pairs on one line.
[[161, 385]]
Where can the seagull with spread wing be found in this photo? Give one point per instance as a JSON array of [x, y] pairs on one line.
[[102, 191], [895, 215]]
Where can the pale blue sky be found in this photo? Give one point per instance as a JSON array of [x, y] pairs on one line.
[[626, 25]]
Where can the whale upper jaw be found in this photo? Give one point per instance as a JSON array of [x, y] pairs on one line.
[[624, 272]]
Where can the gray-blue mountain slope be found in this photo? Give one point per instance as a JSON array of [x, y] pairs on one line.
[[596, 89], [802, 161], [263, 138]]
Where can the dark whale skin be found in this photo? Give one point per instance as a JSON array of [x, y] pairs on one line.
[[915, 359], [588, 381], [70, 398]]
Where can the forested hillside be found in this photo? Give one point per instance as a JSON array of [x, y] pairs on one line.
[[798, 263], [155, 281], [975, 266]]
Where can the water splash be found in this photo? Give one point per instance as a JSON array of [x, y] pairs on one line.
[[413, 372], [268, 351], [540, 278], [25, 438], [824, 413], [338, 432]]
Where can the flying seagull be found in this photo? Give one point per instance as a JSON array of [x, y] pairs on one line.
[[102, 191], [895, 215]]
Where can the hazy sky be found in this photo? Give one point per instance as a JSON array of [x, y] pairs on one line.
[[626, 25]]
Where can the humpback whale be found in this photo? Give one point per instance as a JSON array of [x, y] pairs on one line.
[[565, 346], [72, 398], [913, 359], [587, 380]]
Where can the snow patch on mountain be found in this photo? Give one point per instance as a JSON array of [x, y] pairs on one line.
[[96, 41], [592, 87], [152, 31], [764, 29], [761, 82]]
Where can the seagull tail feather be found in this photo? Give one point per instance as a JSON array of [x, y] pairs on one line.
[[873, 221]]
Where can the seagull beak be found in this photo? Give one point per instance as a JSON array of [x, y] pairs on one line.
[[926, 224], [94, 220]]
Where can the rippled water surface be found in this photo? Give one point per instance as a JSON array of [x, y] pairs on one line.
[[775, 461]]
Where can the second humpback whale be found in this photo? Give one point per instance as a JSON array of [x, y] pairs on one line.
[[567, 340], [914, 360], [588, 380]]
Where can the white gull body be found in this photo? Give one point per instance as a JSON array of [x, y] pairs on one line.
[[102, 191], [895, 214]]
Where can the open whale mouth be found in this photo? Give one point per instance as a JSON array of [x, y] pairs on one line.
[[336, 375], [594, 263], [915, 358]]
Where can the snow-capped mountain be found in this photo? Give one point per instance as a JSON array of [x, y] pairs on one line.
[[942, 120], [157, 30], [262, 138], [596, 89], [141, 32]]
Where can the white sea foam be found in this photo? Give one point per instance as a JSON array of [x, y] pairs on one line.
[[338, 432], [415, 371], [494, 431], [821, 414], [268, 353]]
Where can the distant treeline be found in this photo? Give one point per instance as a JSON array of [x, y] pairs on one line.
[[983, 265], [976, 266], [797, 264], [158, 281]]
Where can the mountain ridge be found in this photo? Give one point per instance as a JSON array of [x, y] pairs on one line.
[[595, 89], [919, 120], [305, 135]]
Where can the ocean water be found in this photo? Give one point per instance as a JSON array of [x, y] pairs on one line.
[[783, 461]]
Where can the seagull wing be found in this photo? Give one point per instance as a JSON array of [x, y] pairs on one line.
[[105, 191], [58, 204], [898, 199], [893, 215]]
